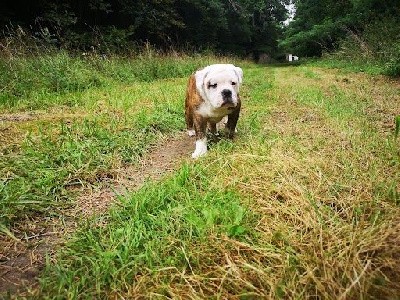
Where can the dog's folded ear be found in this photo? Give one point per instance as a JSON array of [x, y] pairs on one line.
[[200, 76], [239, 73]]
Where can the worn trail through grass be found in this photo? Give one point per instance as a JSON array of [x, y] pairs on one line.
[[26, 258], [303, 203]]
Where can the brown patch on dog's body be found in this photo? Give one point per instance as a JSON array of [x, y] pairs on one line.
[[198, 122], [192, 103]]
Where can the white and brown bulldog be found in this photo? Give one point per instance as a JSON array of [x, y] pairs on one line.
[[212, 93]]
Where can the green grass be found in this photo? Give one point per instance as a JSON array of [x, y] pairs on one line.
[[358, 66], [397, 130], [66, 155], [302, 203], [79, 150], [42, 81], [162, 225]]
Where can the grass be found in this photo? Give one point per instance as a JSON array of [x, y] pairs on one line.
[[152, 229], [369, 51], [351, 66], [42, 81], [80, 149], [302, 204]]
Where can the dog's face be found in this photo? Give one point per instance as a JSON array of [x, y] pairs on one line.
[[219, 84]]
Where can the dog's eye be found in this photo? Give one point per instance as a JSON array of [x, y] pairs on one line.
[[233, 83], [212, 85]]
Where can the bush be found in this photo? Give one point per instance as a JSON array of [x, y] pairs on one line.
[[376, 48]]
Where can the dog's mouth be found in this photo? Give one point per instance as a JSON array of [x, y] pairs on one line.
[[228, 104]]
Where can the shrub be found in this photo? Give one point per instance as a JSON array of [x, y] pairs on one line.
[[376, 48]]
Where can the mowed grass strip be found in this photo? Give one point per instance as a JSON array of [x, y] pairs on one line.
[[303, 203], [334, 177]]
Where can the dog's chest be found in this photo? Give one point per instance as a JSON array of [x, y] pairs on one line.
[[210, 112]]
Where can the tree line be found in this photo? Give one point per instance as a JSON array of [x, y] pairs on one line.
[[244, 27], [250, 28], [321, 25]]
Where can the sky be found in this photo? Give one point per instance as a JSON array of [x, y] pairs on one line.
[[292, 10]]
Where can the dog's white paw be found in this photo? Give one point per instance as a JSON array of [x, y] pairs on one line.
[[201, 148], [191, 132]]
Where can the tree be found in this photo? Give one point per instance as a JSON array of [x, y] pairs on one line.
[[319, 25], [228, 26]]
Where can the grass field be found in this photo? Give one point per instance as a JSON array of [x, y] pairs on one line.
[[304, 203]]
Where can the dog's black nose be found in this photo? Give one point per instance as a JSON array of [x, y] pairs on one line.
[[226, 93]]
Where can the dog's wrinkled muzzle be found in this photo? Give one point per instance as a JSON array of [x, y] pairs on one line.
[[227, 99]]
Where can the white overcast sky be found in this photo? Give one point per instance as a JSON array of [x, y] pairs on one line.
[[292, 9]]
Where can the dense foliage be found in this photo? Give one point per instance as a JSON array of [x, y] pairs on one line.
[[360, 33], [320, 25], [229, 26], [357, 31]]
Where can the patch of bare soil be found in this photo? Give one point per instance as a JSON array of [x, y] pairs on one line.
[[18, 117], [22, 259], [160, 160]]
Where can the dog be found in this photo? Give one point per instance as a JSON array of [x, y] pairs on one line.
[[212, 93]]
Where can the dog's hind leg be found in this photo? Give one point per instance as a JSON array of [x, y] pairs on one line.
[[189, 122], [213, 128]]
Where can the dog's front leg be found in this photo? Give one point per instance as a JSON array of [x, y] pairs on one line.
[[213, 128], [230, 126], [200, 126]]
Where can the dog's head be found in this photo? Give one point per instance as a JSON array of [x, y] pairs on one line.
[[219, 84]]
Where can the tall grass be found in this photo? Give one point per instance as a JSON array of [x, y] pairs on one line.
[[27, 81], [397, 130]]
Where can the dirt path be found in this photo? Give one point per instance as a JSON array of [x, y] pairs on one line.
[[23, 259]]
